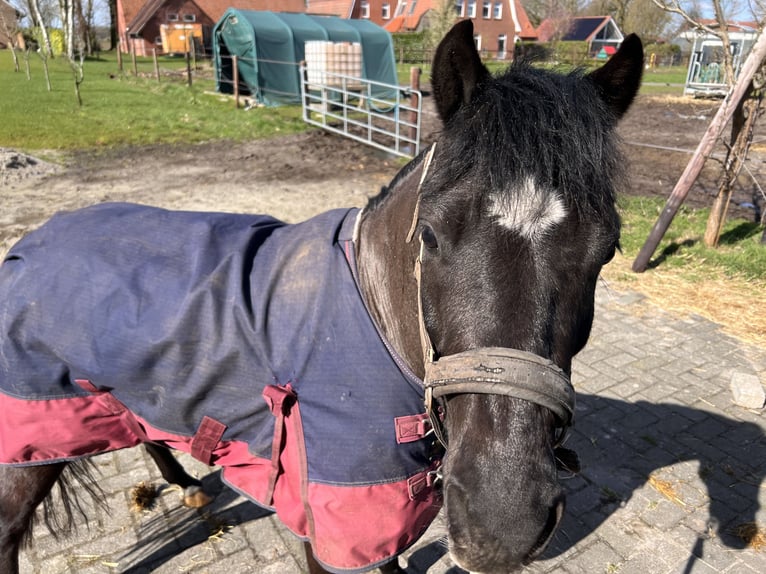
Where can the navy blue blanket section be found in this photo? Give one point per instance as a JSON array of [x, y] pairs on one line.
[[182, 315]]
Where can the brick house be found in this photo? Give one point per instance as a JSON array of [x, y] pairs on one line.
[[9, 23], [498, 24], [171, 25]]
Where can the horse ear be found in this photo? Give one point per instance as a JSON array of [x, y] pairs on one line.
[[457, 70], [619, 79]]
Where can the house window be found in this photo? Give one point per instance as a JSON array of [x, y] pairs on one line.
[[412, 6], [386, 11], [486, 10], [498, 10], [460, 8], [189, 18], [502, 40], [400, 8], [472, 8], [172, 17], [477, 42], [365, 10]]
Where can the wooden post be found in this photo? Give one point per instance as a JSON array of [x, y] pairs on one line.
[[235, 77], [188, 70], [133, 58], [704, 149], [119, 56], [415, 85], [156, 64]]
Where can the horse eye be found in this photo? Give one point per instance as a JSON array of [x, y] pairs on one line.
[[429, 238]]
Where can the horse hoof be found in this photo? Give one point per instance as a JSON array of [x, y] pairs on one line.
[[195, 497]]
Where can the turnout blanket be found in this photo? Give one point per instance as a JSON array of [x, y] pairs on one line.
[[237, 338]]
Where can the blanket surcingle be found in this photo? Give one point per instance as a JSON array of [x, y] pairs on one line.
[[237, 338]]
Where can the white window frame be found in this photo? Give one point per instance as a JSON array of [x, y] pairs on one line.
[[460, 8], [477, 42], [364, 10], [497, 13], [385, 11], [502, 38], [401, 7], [486, 9], [172, 17], [189, 17], [471, 9]]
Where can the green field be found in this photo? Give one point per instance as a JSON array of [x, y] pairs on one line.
[[120, 109]]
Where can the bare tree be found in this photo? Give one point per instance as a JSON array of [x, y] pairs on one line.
[[10, 27], [441, 19], [41, 22]]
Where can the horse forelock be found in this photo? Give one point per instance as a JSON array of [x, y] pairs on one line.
[[531, 129]]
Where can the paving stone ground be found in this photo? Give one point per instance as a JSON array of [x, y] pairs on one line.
[[672, 472]]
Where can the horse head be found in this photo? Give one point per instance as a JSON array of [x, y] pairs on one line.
[[512, 216]]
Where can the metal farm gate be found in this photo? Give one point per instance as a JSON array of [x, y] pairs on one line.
[[382, 115]]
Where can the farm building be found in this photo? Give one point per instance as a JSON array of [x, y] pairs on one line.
[[270, 45], [172, 26], [600, 33], [498, 25], [706, 75]]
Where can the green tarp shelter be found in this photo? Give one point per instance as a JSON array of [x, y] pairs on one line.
[[270, 46]]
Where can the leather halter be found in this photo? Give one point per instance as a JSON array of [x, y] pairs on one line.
[[487, 370]]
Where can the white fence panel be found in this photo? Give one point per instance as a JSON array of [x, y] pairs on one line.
[[346, 105]]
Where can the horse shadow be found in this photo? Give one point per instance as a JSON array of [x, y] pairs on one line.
[[674, 448]]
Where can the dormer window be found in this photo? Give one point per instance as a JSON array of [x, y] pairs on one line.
[[172, 17]]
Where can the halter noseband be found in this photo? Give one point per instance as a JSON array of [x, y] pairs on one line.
[[488, 370]]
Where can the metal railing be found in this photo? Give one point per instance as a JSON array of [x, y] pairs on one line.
[[381, 115]]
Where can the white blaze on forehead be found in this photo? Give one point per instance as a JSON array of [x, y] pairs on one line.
[[530, 211]]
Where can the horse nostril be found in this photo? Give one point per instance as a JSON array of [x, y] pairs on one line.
[[554, 517]]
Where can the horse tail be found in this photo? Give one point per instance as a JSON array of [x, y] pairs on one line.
[[62, 510]]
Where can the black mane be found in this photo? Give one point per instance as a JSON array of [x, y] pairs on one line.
[[530, 122]]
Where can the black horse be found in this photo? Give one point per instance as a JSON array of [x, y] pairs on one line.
[[506, 220]]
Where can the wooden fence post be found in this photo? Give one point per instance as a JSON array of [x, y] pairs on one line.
[[235, 78], [133, 58], [156, 64], [188, 70], [119, 56], [704, 149], [415, 85]]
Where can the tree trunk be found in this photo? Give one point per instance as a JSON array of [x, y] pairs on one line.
[[43, 32], [113, 25], [742, 126]]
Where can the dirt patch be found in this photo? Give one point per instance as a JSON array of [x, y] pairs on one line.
[[660, 135], [298, 176]]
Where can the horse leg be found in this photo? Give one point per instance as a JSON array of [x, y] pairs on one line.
[[174, 473], [22, 489], [316, 568]]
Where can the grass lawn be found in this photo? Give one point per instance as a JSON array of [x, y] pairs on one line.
[[120, 109]]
